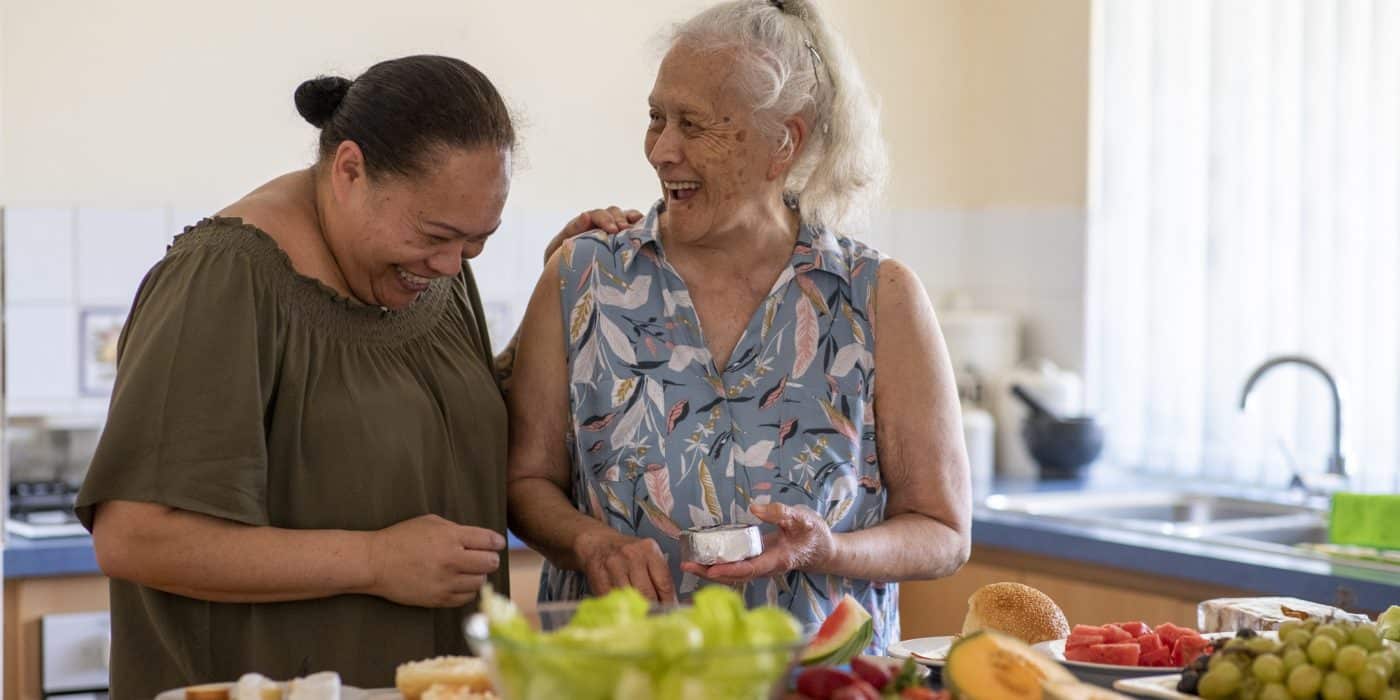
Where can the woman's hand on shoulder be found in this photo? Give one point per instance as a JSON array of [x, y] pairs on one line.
[[612, 219], [803, 541]]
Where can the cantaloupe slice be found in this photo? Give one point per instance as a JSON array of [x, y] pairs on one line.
[[993, 666], [846, 632]]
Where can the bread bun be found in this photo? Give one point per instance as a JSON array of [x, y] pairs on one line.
[[441, 691], [414, 678], [215, 691], [1015, 609]]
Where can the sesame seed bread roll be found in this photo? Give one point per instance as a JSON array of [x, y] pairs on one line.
[[1015, 609], [415, 677]]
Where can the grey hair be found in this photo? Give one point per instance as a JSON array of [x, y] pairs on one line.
[[792, 63]]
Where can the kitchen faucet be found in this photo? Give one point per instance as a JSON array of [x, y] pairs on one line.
[[1336, 463]]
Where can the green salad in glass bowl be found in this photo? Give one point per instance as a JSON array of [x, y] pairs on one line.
[[618, 646]]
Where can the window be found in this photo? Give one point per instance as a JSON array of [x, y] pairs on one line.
[[1244, 202]]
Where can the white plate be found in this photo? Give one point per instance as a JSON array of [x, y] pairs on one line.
[[1153, 687], [929, 651], [1056, 650], [347, 692]]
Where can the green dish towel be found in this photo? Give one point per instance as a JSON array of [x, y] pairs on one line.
[[1369, 520]]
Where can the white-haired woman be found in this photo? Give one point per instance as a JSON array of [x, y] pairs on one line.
[[629, 423]]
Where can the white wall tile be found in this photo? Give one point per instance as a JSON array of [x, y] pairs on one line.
[[931, 243], [116, 247], [41, 351], [39, 255], [1052, 326], [1040, 249]]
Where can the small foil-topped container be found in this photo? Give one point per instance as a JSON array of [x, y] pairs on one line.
[[721, 544]]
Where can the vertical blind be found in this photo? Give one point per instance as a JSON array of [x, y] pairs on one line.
[[1244, 202]]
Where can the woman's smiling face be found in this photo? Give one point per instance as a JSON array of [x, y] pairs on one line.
[[714, 165], [413, 230]]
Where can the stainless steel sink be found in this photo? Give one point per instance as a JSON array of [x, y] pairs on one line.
[[1181, 513], [1234, 521]]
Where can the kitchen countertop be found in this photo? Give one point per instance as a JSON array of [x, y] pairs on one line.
[[72, 556], [1266, 572]]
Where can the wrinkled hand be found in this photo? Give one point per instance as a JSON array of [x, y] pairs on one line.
[[802, 541], [432, 562], [612, 220], [613, 560]]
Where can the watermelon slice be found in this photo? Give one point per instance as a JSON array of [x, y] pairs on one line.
[[1150, 642], [1170, 633], [1113, 634], [1161, 657], [1137, 629], [847, 631], [1086, 629], [1111, 654], [1188, 648], [1083, 640]]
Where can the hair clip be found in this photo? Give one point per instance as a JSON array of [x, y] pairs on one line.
[[816, 60]]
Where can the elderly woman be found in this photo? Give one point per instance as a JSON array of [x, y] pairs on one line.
[[717, 363], [303, 467]]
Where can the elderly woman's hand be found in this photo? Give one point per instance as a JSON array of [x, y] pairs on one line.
[[803, 541], [612, 220], [613, 560]]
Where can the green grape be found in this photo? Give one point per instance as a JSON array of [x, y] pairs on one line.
[[1333, 631], [1274, 691], [1268, 668], [1350, 660], [1322, 650], [1289, 626], [1304, 681], [1237, 643], [1298, 638], [1335, 686], [1263, 645], [1382, 660], [1366, 637], [1370, 683], [1220, 682], [1390, 694], [1294, 658]]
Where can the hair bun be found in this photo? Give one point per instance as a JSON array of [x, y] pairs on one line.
[[318, 98]]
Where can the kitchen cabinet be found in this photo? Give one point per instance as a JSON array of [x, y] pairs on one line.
[[1088, 594]]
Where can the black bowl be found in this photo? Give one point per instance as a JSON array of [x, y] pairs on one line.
[[1062, 447]]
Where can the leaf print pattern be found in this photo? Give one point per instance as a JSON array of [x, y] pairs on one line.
[[665, 441], [804, 338]]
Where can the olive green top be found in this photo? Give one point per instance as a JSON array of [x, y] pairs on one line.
[[249, 392]]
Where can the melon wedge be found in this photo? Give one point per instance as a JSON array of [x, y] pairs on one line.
[[846, 632], [992, 666]]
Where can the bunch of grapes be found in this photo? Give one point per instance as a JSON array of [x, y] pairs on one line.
[[1310, 659]]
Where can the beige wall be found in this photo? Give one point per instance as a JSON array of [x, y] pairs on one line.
[[1026, 105], [173, 101]]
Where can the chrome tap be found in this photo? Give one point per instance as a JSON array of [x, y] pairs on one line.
[[1336, 463]]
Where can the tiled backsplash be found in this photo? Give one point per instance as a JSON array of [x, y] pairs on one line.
[[60, 262]]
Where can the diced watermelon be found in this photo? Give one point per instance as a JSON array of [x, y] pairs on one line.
[[1078, 653], [1086, 629], [1137, 629], [1150, 642], [1112, 654], [1161, 657], [1188, 648], [1083, 640], [1170, 633], [1113, 634]]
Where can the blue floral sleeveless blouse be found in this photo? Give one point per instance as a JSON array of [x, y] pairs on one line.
[[662, 440]]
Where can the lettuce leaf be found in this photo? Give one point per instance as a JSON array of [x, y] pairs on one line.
[[613, 648]]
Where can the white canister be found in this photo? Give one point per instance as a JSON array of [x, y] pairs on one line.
[[981, 343], [979, 436], [1060, 390]]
